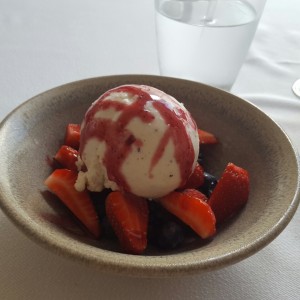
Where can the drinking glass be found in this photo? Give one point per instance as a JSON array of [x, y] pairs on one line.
[[205, 40]]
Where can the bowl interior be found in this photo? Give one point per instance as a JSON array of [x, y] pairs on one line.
[[35, 130]]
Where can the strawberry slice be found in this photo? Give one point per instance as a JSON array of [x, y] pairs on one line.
[[192, 210], [61, 183], [67, 157], [230, 194], [206, 137], [72, 136], [128, 216], [196, 179], [195, 194]]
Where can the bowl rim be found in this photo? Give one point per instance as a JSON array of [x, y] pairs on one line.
[[143, 265]]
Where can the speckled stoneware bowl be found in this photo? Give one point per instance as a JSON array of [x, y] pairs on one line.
[[35, 130]]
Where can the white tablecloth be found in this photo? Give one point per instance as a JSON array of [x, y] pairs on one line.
[[48, 43]]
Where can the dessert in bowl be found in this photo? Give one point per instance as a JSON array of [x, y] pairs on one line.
[[249, 138]]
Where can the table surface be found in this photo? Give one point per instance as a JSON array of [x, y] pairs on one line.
[[44, 44]]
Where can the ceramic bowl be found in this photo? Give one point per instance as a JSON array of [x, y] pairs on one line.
[[34, 131]]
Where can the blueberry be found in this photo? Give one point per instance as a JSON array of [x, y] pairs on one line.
[[170, 236], [165, 230], [157, 213], [210, 182], [157, 217]]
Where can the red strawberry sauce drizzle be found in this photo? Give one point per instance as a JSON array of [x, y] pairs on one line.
[[119, 140]]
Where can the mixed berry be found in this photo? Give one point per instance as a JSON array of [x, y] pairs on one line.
[[196, 210]]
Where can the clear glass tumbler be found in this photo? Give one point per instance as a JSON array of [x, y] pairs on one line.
[[205, 40]]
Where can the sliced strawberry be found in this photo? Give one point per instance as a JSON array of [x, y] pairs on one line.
[[196, 179], [128, 216], [191, 210], [67, 157], [61, 183], [72, 136], [230, 194], [206, 137], [195, 194]]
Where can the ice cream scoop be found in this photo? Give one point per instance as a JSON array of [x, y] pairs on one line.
[[137, 139]]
